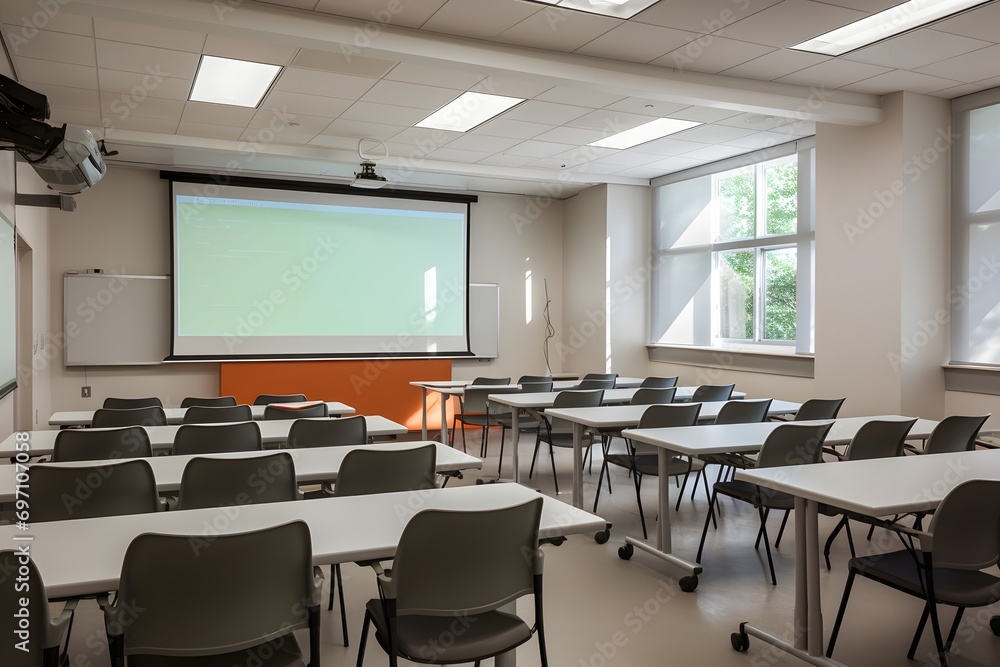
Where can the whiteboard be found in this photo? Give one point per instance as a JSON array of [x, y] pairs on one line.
[[115, 320], [484, 320]]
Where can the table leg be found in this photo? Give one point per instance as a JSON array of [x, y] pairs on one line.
[[423, 413], [577, 465], [662, 550], [515, 438], [444, 418]]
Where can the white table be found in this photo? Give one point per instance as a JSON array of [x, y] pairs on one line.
[[878, 487], [272, 432], [312, 464], [174, 415], [720, 439], [449, 388], [84, 556]]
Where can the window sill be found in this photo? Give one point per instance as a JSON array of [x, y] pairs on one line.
[[972, 379], [773, 360]]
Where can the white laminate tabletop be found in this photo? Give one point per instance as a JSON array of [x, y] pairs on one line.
[[722, 438], [84, 556], [312, 464], [174, 415], [272, 431], [620, 416], [611, 396]]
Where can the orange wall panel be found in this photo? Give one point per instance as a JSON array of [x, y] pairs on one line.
[[371, 387]]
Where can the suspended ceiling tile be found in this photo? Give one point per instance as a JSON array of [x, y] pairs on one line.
[[123, 105], [579, 97], [75, 117], [342, 63], [455, 79], [307, 105], [833, 73], [135, 58], [717, 152], [915, 49], [149, 35], [67, 97], [704, 16], [536, 149], [572, 135], [759, 140], [335, 142], [280, 124], [325, 84], [513, 129], [668, 146], [450, 154], [704, 114], [638, 105], [27, 16], [979, 24], [217, 114], [428, 98], [406, 13], [482, 143], [609, 121], [636, 42], [506, 160], [776, 64], [558, 29], [967, 68], [511, 86], [791, 22], [425, 139], [139, 84], [545, 112], [140, 124], [711, 54], [49, 45], [479, 18], [358, 129], [627, 158], [897, 80], [30, 71], [257, 51], [712, 134], [386, 114], [190, 129]]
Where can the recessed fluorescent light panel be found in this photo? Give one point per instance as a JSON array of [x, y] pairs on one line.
[[235, 82], [467, 111], [661, 127], [885, 24], [622, 9]]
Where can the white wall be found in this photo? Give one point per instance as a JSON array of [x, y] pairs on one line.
[[583, 336], [7, 403], [629, 220]]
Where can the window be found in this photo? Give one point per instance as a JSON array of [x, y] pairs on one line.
[[733, 244]]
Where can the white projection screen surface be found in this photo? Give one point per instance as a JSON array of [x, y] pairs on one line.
[[277, 274]]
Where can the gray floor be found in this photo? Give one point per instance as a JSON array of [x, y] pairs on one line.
[[602, 611]]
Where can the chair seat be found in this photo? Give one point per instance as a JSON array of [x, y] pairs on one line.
[[732, 460], [755, 495], [476, 636], [565, 439], [283, 652], [475, 419], [646, 464], [963, 588]]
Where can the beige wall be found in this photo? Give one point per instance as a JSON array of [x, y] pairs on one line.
[[583, 337], [629, 277], [8, 403]]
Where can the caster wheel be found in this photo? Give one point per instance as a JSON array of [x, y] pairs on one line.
[[740, 641], [602, 536], [995, 625], [478, 482], [625, 552], [688, 584]]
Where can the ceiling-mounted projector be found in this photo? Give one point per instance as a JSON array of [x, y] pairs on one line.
[[367, 178], [67, 158]]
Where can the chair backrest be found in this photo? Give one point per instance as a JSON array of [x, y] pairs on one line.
[[572, 398], [90, 444], [277, 412], [217, 438], [208, 401], [83, 492], [659, 382], [209, 482], [956, 433], [328, 432], [493, 557], [35, 613], [653, 395], [202, 414], [601, 376], [819, 408], [474, 402], [263, 598], [490, 381], [534, 378], [878, 439], [966, 527], [793, 444], [125, 403], [267, 399], [744, 412], [536, 386], [596, 383], [712, 392], [111, 417], [668, 416], [365, 471]]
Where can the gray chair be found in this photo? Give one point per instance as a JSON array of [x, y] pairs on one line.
[[955, 433], [710, 393], [90, 444], [44, 637], [474, 410], [493, 559], [788, 444], [489, 382], [659, 382], [526, 422], [204, 414], [208, 401], [736, 412], [642, 396], [267, 399], [59, 493], [596, 383], [218, 601], [113, 417], [877, 439], [944, 565], [216, 482], [217, 438], [819, 408], [328, 432], [600, 376], [368, 471], [559, 433], [642, 460], [125, 403], [278, 412], [474, 413], [534, 378]]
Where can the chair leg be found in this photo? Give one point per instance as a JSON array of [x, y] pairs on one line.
[[708, 519], [760, 531], [534, 455], [840, 612], [680, 494], [600, 483], [954, 628], [500, 462], [340, 592], [364, 639], [552, 459], [924, 615], [637, 479], [767, 544], [781, 530], [935, 622], [829, 541]]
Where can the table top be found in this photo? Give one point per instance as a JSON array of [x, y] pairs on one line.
[[312, 464], [620, 416], [174, 415], [611, 396], [458, 387], [84, 556], [722, 438], [272, 431], [881, 487]]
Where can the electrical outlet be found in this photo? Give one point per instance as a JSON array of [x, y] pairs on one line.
[[85, 392]]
